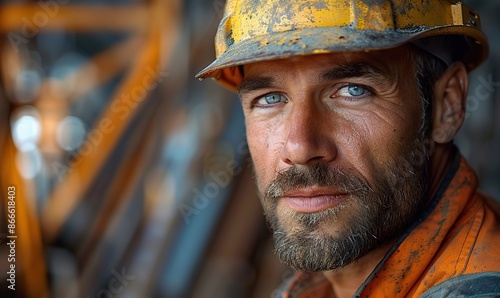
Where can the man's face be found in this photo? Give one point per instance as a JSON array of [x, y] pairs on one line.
[[338, 152]]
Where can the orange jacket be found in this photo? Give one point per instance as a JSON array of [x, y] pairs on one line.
[[453, 250]]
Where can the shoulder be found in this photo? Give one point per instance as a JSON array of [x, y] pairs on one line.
[[484, 284], [492, 204]]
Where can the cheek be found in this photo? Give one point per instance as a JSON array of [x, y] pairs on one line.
[[377, 140], [264, 150]]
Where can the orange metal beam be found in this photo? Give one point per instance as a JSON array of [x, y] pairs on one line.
[[103, 66], [126, 101], [26, 20]]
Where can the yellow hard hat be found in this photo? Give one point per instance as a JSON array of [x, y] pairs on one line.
[[252, 31]]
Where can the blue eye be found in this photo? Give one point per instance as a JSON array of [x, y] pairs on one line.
[[353, 90], [271, 98]]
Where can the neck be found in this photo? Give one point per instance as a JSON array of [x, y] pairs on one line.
[[440, 162], [346, 281]]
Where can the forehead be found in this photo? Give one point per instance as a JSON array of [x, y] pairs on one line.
[[392, 62]]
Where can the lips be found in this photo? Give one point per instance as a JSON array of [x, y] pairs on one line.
[[310, 200]]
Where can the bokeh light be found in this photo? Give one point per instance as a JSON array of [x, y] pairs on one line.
[[29, 162], [70, 133], [26, 128]]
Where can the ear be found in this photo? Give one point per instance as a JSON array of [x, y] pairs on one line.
[[450, 95]]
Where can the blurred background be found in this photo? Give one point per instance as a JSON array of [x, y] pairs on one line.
[[132, 178]]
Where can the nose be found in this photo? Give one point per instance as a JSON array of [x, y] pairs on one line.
[[309, 137]]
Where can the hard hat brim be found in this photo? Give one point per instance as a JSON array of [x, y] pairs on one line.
[[331, 40]]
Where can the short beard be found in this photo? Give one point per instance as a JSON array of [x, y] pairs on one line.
[[367, 219]]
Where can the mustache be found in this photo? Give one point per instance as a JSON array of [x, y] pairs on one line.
[[320, 175]]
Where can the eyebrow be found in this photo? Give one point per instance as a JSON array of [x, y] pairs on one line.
[[253, 84], [354, 71], [339, 72]]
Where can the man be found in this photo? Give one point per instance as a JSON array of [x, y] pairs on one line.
[[351, 108]]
